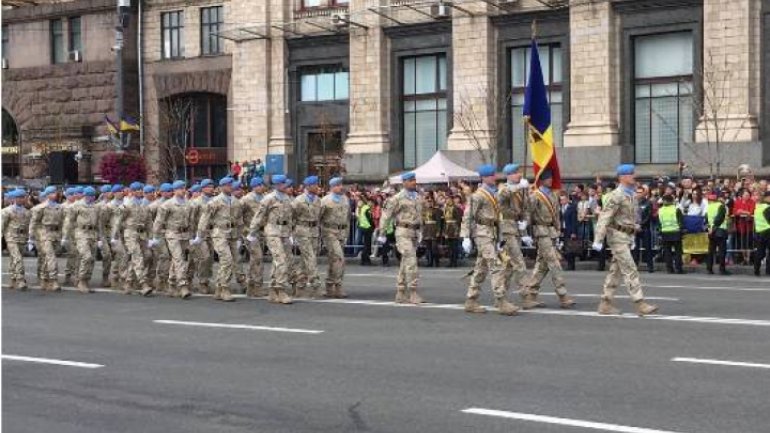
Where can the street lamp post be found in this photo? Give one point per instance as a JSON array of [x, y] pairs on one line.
[[123, 14]]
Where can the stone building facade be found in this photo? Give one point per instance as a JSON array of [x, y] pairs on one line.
[[59, 82]]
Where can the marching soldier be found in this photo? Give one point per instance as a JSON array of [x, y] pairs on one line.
[[617, 223], [151, 259], [513, 223], [160, 253], [406, 209], [544, 214], [117, 247], [221, 219], [306, 209], [15, 221], [45, 230], [72, 195], [334, 219], [762, 230], [82, 226], [451, 229], [133, 220], [172, 226], [103, 243], [275, 215], [481, 221], [250, 204], [202, 254]]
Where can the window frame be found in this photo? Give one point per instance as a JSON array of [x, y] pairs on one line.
[[71, 34], [57, 35], [316, 71], [179, 29], [208, 28]]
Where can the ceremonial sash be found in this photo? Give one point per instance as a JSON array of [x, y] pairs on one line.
[[547, 202], [491, 199]]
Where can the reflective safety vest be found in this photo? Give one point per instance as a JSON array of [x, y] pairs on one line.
[[760, 223], [363, 220], [668, 221], [711, 213]]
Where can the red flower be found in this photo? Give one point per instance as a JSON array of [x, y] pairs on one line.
[[123, 167]]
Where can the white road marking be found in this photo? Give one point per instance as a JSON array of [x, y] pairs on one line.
[[561, 421], [239, 326], [721, 362], [50, 361], [725, 289]]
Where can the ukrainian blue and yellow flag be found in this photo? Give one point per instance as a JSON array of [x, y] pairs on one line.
[[537, 115], [128, 124]]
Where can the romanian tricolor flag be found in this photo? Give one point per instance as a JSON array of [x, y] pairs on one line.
[[537, 115]]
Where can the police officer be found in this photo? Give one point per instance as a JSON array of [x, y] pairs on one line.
[[103, 243], [45, 230], [762, 232], [543, 207], [15, 221], [481, 221], [82, 227], [250, 204], [405, 208], [618, 225], [306, 209], [222, 219], [512, 196], [717, 220], [275, 216], [671, 224], [202, 254], [133, 222], [334, 219], [172, 227]]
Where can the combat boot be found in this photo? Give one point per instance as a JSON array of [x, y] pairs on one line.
[[251, 291], [54, 286], [44, 285], [339, 293], [329, 291], [12, 284], [272, 295], [401, 296], [21, 285], [204, 289], [506, 308], [217, 294], [606, 307], [283, 297], [566, 302], [146, 290], [644, 309], [299, 292], [315, 293], [83, 287], [415, 298], [473, 306], [183, 292], [225, 295], [530, 301], [106, 281]]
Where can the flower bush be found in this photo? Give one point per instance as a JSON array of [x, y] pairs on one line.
[[123, 167]]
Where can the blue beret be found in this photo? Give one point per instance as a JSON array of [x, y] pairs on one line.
[[78, 190], [510, 169], [288, 182], [136, 186], [207, 182], [225, 181], [117, 188], [278, 178], [20, 192], [256, 181], [486, 170], [166, 187], [148, 189], [409, 175], [195, 188], [546, 174], [15, 193], [69, 191], [624, 169], [236, 184], [335, 181], [89, 191], [105, 189], [179, 184], [310, 180], [49, 190]]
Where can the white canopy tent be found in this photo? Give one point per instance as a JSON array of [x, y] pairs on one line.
[[439, 169]]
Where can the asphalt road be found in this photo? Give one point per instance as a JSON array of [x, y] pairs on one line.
[[364, 364]]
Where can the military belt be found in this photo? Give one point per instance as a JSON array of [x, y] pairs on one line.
[[408, 226], [281, 223], [307, 223], [486, 222], [335, 227], [87, 227], [450, 221], [429, 222], [625, 229], [21, 231]]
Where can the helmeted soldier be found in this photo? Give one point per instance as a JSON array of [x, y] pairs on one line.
[[543, 209], [306, 209], [250, 204], [133, 221], [405, 208], [202, 254], [172, 227], [334, 217], [512, 196], [481, 222], [103, 243], [15, 221], [221, 219], [275, 216], [45, 229], [617, 223], [82, 228]]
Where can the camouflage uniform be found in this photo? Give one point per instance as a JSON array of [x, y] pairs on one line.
[[275, 215], [105, 219], [15, 220], [172, 228], [334, 217], [306, 209], [45, 228], [202, 254], [249, 205], [431, 217], [406, 209], [160, 263], [513, 200], [117, 247], [71, 264], [82, 227], [133, 220], [451, 230], [221, 218]]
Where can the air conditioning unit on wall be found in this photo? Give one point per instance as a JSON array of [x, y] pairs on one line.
[[76, 56], [440, 10], [5, 63], [340, 20]]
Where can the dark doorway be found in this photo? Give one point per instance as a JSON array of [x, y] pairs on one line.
[[324, 153]]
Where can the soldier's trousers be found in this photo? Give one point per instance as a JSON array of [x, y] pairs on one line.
[[71, 265], [548, 260], [256, 268], [487, 261], [17, 259], [203, 258], [517, 267], [161, 261], [47, 249], [85, 247], [227, 250], [408, 275], [107, 258], [335, 253], [178, 271], [622, 265], [119, 268], [306, 264], [281, 252], [136, 262]]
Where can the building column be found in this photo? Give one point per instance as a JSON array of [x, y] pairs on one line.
[[731, 71], [280, 142], [593, 76], [475, 99]]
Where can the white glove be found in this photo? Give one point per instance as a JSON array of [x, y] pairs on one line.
[[30, 245], [467, 245], [63, 242], [382, 240], [559, 245], [524, 183], [597, 246], [291, 241], [527, 240], [419, 237], [251, 239], [522, 226], [633, 244], [196, 240], [152, 242], [99, 244], [238, 244], [113, 241]]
